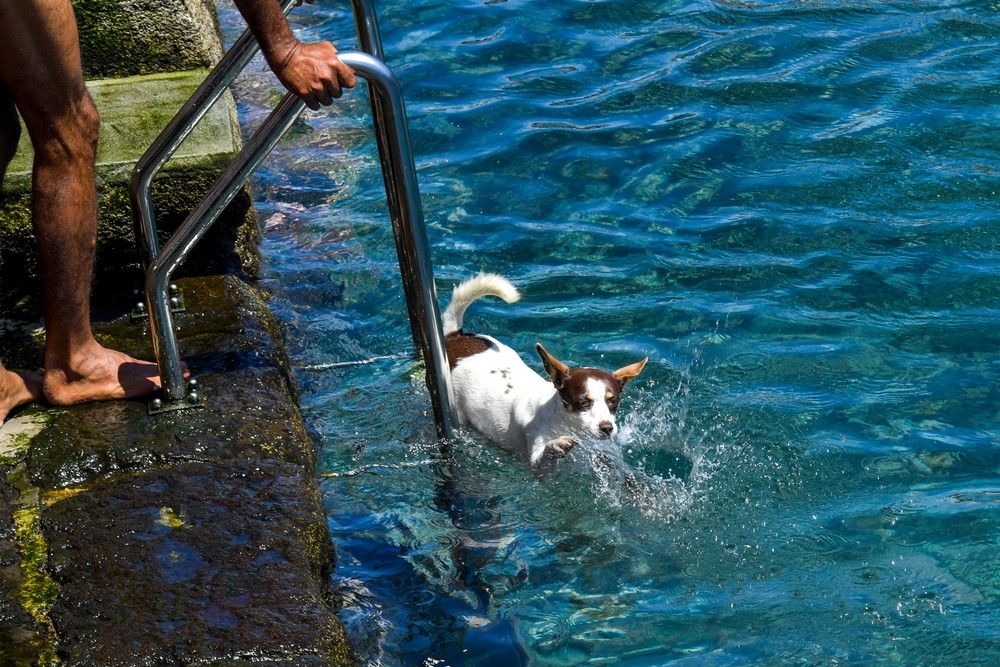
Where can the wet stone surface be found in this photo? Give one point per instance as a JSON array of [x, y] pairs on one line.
[[230, 246], [208, 560], [21, 637], [191, 536]]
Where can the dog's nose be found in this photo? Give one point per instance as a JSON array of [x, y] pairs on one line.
[[606, 428]]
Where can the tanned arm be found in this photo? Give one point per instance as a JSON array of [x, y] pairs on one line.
[[311, 71]]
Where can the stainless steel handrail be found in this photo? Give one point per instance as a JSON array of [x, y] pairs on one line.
[[208, 93], [366, 25], [407, 220], [177, 130]]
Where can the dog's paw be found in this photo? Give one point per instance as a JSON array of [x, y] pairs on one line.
[[560, 447]]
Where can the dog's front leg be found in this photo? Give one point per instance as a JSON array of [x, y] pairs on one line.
[[545, 454], [559, 447]]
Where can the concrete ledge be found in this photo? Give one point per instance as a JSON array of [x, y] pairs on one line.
[[193, 536], [133, 112]]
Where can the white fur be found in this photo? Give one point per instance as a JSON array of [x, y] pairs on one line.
[[484, 284], [592, 419], [499, 395]]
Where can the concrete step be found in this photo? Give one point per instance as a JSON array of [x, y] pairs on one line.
[[133, 112]]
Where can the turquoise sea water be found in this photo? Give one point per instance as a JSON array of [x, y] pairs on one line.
[[789, 206]]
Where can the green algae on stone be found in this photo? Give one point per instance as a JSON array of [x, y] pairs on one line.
[[171, 518], [133, 112], [122, 38], [53, 496], [37, 591]]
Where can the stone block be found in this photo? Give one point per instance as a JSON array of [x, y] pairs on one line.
[[197, 566], [124, 38], [133, 112], [190, 537]]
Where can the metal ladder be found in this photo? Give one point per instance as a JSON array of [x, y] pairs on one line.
[[402, 194]]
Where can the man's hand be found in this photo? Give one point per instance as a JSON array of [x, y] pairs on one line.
[[314, 73], [311, 71]]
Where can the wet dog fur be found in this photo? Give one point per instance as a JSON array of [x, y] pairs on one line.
[[539, 419]]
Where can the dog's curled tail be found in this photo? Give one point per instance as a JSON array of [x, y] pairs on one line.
[[484, 284]]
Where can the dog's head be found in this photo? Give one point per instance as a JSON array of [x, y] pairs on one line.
[[589, 396]]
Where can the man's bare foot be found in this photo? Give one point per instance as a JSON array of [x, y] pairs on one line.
[[99, 375], [18, 388]]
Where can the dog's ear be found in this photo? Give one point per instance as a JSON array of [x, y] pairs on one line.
[[628, 372], [556, 369]]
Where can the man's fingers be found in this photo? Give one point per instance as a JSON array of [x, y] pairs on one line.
[[333, 89], [315, 73], [345, 74], [323, 95]]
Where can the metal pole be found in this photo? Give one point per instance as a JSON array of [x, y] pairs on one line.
[[366, 24], [409, 231], [408, 228], [173, 135], [370, 41], [180, 244]]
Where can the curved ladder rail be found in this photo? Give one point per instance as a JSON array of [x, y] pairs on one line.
[[408, 228], [208, 93]]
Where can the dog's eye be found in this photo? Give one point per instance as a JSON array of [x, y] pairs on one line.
[[583, 404], [613, 403]]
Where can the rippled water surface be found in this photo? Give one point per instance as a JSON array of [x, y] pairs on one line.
[[789, 206]]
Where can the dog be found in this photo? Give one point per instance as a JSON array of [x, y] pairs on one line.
[[500, 396]]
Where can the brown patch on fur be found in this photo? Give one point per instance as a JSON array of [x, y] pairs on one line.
[[571, 383], [460, 345], [574, 387]]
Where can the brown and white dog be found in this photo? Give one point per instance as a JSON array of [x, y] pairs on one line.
[[499, 395]]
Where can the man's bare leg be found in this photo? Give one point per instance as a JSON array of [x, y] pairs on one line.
[[40, 65], [10, 131], [15, 388]]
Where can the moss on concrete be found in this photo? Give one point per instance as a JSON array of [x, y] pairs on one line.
[[22, 639], [53, 496], [36, 590], [133, 112], [122, 38]]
